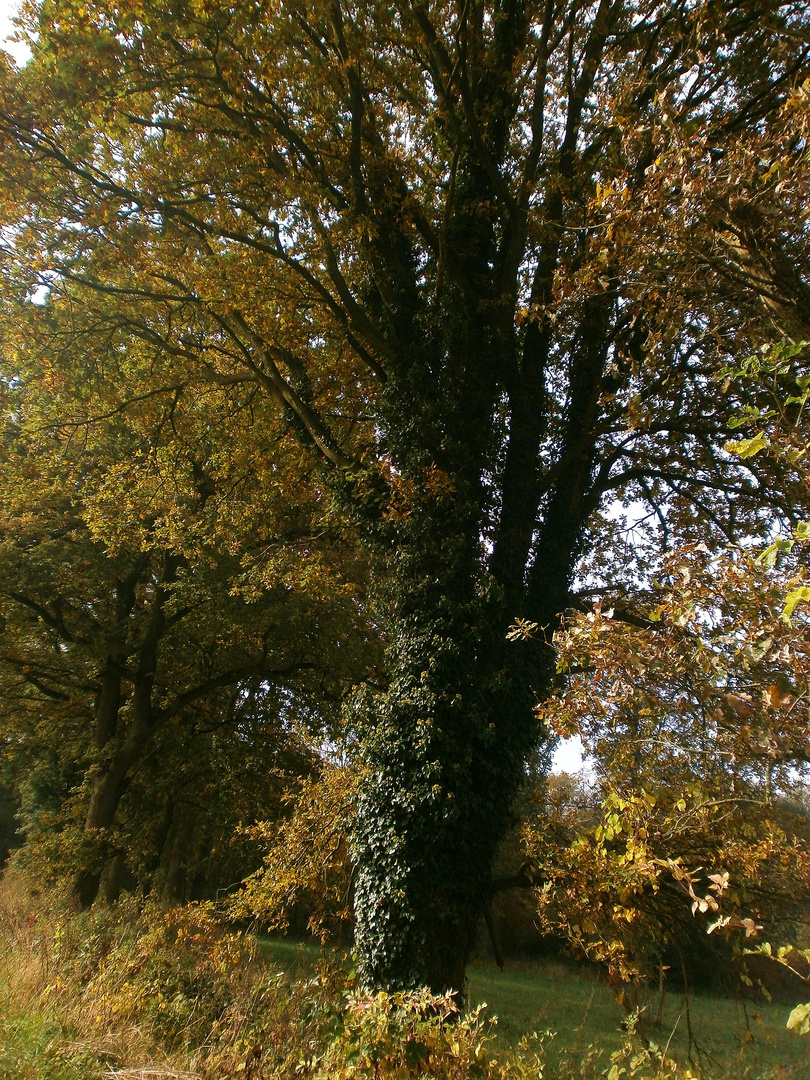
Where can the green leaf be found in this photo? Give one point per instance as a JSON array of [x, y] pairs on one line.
[[799, 1020], [746, 448], [770, 554], [795, 597]]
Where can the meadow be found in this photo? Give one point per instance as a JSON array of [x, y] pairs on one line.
[[721, 1036], [575, 1014]]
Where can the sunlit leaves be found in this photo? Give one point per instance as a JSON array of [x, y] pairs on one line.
[[307, 861], [697, 726], [799, 1020]]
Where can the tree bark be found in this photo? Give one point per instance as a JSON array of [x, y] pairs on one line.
[[121, 749]]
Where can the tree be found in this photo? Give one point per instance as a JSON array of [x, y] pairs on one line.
[[398, 222], [696, 719], [142, 671]]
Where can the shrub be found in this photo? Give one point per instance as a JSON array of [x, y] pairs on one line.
[[404, 1035], [174, 972]]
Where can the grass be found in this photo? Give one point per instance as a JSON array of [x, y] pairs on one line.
[[294, 957], [722, 1036], [35, 1046], [84, 1031], [47, 1030]]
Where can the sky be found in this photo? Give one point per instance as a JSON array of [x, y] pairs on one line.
[[568, 757], [7, 10]]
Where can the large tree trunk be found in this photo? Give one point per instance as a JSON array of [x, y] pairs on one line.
[[447, 741], [120, 750], [430, 821], [447, 746]]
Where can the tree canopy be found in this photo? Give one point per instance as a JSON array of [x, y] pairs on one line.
[[485, 262]]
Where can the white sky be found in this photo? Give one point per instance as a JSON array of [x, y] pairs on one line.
[[568, 756], [8, 9]]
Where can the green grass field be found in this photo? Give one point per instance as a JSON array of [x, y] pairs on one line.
[[731, 1039]]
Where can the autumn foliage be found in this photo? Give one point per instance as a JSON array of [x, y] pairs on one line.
[[339, 338]]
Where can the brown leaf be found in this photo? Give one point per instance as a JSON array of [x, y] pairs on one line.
[[742, 705]]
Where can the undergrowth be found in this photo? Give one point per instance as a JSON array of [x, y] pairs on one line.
[[136, 991]]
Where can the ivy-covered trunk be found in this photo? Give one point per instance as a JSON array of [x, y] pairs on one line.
[[446, 744], [447, 740], [446, 755]]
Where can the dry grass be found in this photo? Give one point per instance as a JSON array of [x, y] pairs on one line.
[[53, 1019], [150, 1072], [25, 934]]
